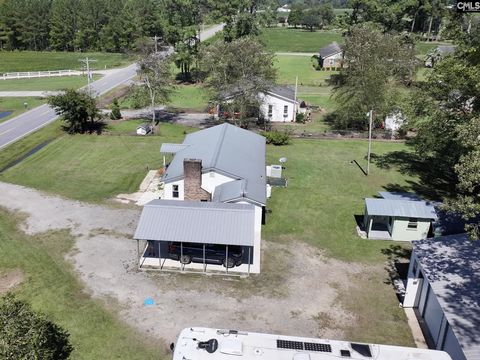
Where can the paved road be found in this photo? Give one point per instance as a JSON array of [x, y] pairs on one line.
[[26, 123]]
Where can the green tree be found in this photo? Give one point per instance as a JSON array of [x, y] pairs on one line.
[[78, 111], [375, 64], [295, 16], [155, 75], [92, 17], [115, 114], [25, 334], [447, 116], [64, 24], [240, 70]]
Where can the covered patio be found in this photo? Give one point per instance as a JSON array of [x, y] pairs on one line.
[[200, 237]]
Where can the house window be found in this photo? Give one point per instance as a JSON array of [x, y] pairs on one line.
[[270, 111], [412, 223], [285, 111], [175, 191]]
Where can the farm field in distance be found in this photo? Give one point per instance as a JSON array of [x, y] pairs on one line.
[[16, 61], [45, 84], [297, 40]]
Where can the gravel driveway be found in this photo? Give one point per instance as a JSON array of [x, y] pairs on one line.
[[296, 294]]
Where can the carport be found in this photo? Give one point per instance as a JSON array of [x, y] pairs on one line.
[[204, 224]]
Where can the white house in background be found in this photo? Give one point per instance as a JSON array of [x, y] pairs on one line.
[[215, 171], [330, 56], [394, 121], [218, 344], [444, 288], [276, 105], [398, 216], [284, 9], [437, 54], [144, 129]]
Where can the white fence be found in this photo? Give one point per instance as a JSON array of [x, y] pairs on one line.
[[39, 74]]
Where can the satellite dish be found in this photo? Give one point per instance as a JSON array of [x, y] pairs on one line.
[[283, 160]]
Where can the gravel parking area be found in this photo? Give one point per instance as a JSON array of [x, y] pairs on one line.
[[297, 292]]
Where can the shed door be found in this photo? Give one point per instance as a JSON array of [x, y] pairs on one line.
[[452, 346], [433, 316]]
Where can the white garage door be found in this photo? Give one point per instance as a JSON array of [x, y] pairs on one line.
[[452, 346], [433, 315]]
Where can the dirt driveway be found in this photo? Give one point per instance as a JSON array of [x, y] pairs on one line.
[[295, 294]]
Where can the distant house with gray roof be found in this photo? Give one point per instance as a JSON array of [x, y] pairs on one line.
[[437, 54], [217, 177], [330, 56], [398, 216], [443, 287]]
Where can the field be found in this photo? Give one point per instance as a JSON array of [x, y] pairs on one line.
[[422, 48], [297, 40], [290, 66], [189, 98], [44, 84], [43, 61], [17, 106]]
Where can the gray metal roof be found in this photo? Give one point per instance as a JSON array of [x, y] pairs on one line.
[[229, 191], [393, 195], [401, 208], [445, 49], [451, 264], [168, 148], [198, 222], [329, 50], [229, 150], [283, 91]]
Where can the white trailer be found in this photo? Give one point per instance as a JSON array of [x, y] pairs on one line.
[[213, 344]]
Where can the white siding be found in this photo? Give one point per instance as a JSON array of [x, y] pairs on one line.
[[277, 108], [213, 179], [332, 61], [168, 191], [401, 232]]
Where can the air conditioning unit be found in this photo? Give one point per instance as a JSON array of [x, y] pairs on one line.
[[276, 171]]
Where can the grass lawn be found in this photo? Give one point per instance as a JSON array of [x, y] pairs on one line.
[[51, 287], [47, 84], [42, 61], [424, 47], [90, 167], [17, 106], [289, 66], [297, 40], [189, 98]]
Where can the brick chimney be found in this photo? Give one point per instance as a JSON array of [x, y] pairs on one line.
[[192, 171]]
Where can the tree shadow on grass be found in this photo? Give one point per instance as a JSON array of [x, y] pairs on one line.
[[434, 179]]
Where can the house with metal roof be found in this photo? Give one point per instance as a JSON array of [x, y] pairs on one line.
[[216, 178], [443, 288], [277, 104], [398, 216], [330, 56], [437, 54]]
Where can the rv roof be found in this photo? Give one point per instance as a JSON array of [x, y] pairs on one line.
[[212, 344]]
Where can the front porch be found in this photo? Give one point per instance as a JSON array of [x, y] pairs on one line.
[[378, 227]]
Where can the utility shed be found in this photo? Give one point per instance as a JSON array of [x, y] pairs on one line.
[[200, 234], [330, 56], [444, 289], [395, 218]]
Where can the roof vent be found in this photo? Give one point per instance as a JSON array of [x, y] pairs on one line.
[[210, 346]]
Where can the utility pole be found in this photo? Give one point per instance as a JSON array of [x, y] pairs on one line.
[[295, 103], [369, 140], [87, 62]]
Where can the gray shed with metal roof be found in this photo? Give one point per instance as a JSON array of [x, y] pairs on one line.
[[444, 288], [401, 208]]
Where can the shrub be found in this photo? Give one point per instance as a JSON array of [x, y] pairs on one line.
[[115, 114], [300, 118], [277, 138]]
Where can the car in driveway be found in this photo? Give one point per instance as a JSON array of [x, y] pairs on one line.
[[214, 254]]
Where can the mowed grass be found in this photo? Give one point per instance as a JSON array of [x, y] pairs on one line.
[[90, 167], [17, 105], [291, 66], [42, 61], [189, 98], [424, 47], [297, 40], [45, 84], [51, 287]]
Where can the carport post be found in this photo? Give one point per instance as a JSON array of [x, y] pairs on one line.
[[159, 256], [182, 265], [138, 252], [249, 251], [204, 265], [226, 258]]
